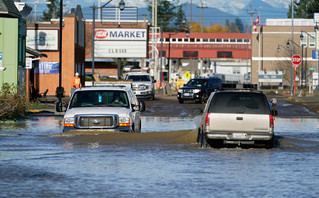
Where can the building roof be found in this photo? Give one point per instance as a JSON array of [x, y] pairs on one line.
[[8, 9]]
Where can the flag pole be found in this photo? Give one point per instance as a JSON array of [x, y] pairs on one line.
[[257, 22]]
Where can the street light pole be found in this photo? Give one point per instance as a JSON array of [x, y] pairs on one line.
[[121, 7], [60, 89], [317, 50], [292, 46], [302, 72]]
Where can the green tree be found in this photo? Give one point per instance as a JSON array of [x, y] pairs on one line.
[[181, 21], [239, 25], [229, 26], [52, 12], [304, 9], [167, 13]]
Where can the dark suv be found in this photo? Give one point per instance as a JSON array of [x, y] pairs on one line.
[[198, 89]]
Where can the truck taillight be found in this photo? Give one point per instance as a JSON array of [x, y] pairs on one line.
[[271, 121], [207, 120]]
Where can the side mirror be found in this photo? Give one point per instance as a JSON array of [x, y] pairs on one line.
[[142, 106], [154, 81]]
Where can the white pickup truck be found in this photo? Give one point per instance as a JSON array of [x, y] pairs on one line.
[[111, 108], [142, 84]]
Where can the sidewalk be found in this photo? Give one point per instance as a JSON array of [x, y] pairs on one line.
[[311, 102]]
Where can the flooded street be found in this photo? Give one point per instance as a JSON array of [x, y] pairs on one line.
[[155, 163]]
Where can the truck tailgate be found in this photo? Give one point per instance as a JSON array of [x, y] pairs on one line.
[[239, 122]]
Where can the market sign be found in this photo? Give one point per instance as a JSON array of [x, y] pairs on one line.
[[270, 76], [43, 40], [120, 43]]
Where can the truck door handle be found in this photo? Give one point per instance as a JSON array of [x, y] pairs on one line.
[[239, 118]]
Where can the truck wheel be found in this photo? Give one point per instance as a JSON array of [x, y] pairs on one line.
[[198, 136], [270, 143], [152, 97], [181, 101], [216, 143], [203, 141]]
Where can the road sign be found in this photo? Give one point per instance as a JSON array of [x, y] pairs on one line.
[[296, 59], [187, 75]]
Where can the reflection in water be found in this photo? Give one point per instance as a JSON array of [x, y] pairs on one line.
[[79, 167], [161, 124]]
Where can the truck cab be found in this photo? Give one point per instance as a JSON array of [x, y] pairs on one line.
[[110, 108], [143, 86]]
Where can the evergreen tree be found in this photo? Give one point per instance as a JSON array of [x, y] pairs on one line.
[[181, 21], [167, 12], [53, 11], [239, 25], [304, 9]]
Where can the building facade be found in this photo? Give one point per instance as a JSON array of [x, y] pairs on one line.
[[273, 46], [44, 37], [12, 43]]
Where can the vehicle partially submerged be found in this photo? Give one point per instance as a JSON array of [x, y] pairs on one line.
[[237, 115], [110, 108]]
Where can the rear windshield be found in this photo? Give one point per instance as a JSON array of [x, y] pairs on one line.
[[239, 102], [99, 99], [136, 78]]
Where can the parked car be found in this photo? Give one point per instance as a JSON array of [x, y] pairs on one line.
[[198, 89], [143, 86], [237, 117], [113, 108]]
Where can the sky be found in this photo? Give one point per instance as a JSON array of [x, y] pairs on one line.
[[226, 6], [233, 7]]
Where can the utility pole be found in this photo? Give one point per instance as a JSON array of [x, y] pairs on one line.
[[202, 16], [191, 20], [251, 13], [35, 8]]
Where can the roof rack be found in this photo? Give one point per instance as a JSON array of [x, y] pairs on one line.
[[231, 86]]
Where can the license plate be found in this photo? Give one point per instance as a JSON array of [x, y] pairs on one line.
[[239, 135], [186, 94]]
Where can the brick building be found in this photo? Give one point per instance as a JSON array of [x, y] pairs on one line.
[[44, 37]]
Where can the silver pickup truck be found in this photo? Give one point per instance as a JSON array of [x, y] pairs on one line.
[[237, 117], [142, 84], [112, 108]]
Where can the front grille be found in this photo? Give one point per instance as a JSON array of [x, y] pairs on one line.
[[188, 91], [142, 87], [96, 121]]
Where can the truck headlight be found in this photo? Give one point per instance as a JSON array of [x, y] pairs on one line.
[[196, 90], [124, 122], [68, 122], [180, 91]]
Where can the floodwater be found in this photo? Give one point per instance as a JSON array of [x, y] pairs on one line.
[[155, 163]]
